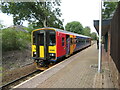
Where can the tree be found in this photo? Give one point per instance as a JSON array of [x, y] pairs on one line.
[[74, 26], [94, 36], [86, 31], [40, 14], [108, 9], [14, 39], [1, 25]]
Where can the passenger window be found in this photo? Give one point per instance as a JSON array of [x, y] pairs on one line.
[[63, 41]]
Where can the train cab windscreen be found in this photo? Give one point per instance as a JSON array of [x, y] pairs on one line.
[[52, 40]]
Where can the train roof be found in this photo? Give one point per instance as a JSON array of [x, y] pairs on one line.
[[67, 32]]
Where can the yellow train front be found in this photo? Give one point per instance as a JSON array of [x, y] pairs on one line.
[[50, 44]]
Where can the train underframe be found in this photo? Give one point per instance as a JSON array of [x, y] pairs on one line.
[[43, 64]]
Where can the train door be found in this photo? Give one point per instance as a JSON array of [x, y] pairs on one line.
[[67, 45], [63, 44], [42, 45]]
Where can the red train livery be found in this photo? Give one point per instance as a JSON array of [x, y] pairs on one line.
[[50, 44]]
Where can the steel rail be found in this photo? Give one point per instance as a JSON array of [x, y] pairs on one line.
[[16, 80]]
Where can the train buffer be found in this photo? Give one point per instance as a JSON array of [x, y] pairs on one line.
[[77, 71]]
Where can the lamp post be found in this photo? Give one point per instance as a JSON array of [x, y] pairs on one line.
[[100, 31]]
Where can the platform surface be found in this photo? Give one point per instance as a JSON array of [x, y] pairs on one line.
[[78, 71]]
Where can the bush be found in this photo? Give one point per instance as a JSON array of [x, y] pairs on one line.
[[14, 40]]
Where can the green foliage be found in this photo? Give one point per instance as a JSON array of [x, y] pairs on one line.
[[94, 36], [108, 10], [14, 40], [75, 27], [0, 42], [86, 31], [28, 29], [1, 25], [40, 14], [31, 28]]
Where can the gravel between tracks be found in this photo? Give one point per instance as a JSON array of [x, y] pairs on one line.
[[13, 62], [17, 73]]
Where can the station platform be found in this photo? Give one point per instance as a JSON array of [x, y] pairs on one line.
[[77, 71]]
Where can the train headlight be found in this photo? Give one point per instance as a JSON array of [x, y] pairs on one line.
[[35, 53], [52, 54]]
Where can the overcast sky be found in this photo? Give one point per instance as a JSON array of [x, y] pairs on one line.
[[84, 11]]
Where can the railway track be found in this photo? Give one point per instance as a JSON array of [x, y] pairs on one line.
[[27, 64], [19, 80]]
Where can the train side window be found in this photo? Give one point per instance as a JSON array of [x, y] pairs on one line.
[[75, 40], [63, 41], [79, 39]]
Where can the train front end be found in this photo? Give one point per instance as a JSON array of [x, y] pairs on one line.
[[43, 47]]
